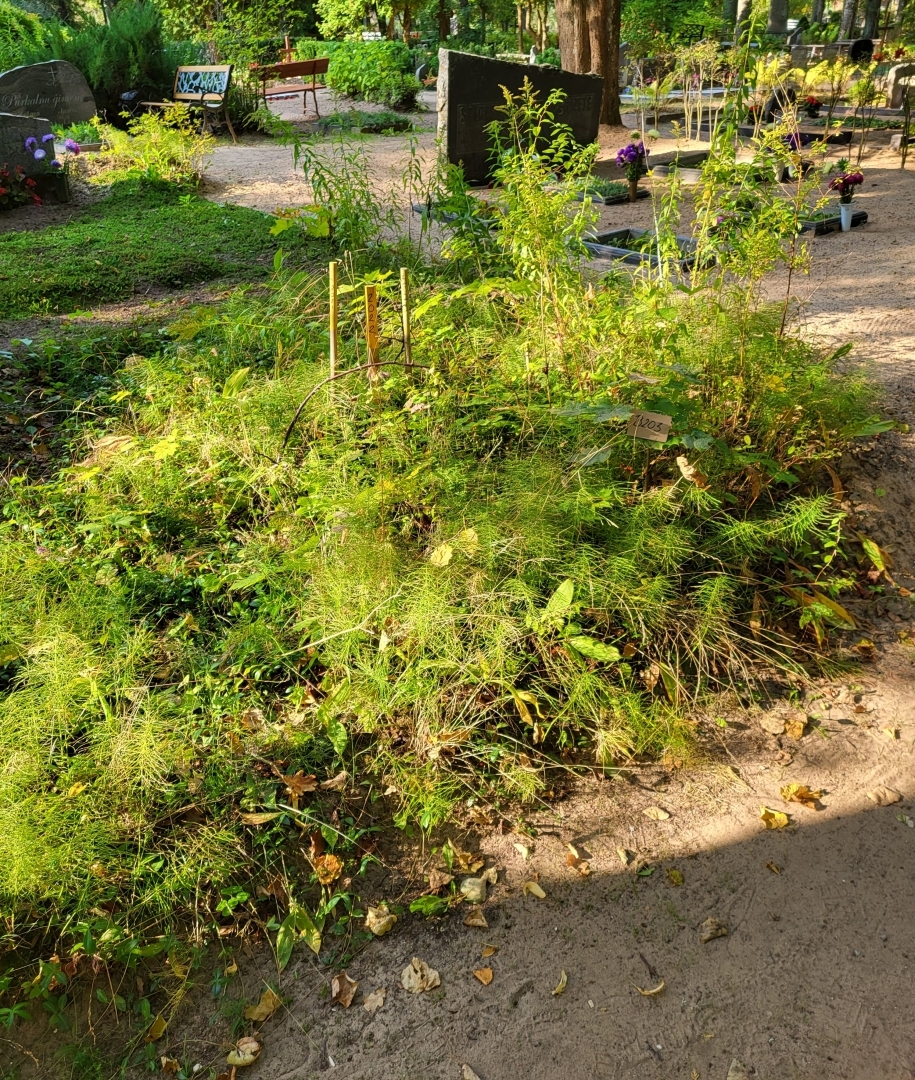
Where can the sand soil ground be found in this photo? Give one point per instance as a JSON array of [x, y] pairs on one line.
[[811, 966]]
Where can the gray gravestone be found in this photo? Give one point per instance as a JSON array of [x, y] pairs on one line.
[[895, 87], [14, 130], [55, 90], [469, 90]]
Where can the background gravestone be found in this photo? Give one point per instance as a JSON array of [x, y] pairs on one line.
[[14, 130], [469, 89], [895, 88], [54, 90]]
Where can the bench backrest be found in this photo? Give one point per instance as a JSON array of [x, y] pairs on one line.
[[295, 69], [192, 82]]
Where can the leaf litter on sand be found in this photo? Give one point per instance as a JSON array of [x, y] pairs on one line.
[[270, 1001], [532, 888], [475, 917], [561, 985], [373, 1002], [245, 1053], [468, 1074], [773, 867], [802, 794], [343, 989], [772, 819], [575, 861], [654, 991], [884, 796], [656, 813], [711, 929], [419, 977], [156, 1029], [484, 974], [489, 950], [674, 876], [378, 920]]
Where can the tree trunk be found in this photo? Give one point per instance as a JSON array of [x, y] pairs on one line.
[[574, 42], [729, 14], [407, 22], [778, 17], [816, 12], [871, 19], [612, 80], [444, 21], [849, 11], [744, 18], [598, 27]]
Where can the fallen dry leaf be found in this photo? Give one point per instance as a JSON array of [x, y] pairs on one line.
[[419, 977], [474, 889], [656, 813], [489, 950], [884, 796], [465, 860], [373, 1002], [674, 876], [262, 818], [484, 975], [561, 985], [523, 850], [691, 473], [772, 819], [575, 862], [265, 1008], [738, 1071], [245, 1053], [378, 920], [335, 783], [794, 729], [712, 929], [169, 1065], [906, 820], [343, 989], [534, 889], [475, 917], [775, 869], [775, 725], [438, 879], [802, 794], [441, 555], [300, 784], [624, 855], [156, 1029], [653, 992], [468, 1074], [328, 868], [891, 733]]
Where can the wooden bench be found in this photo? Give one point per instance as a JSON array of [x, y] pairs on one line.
[[204, 87], [295, 69]]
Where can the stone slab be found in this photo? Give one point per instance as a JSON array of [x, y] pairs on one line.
[[14, 130], [895, 88], [55, 90], [469, 90]]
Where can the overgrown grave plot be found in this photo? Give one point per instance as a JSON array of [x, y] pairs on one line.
[[271, 596]]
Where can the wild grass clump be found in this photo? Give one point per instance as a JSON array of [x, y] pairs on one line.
[[445, 579]]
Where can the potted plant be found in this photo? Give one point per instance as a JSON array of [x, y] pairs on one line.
[[634, 159], [812, 106], [845, 184]]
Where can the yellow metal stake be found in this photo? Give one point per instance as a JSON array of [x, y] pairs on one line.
[[405, 314], [371, 330], [332, 283]]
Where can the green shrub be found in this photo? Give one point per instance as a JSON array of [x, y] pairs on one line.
[[20, 33], [378, 71]]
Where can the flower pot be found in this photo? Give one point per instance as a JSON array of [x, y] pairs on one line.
[[845, 212], [633, 190]]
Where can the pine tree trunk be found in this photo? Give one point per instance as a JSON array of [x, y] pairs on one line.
[[444, 21], [871, 19], [729, 14], [778, 17], [612, 93], [574, 42], [597, 47], [816, 12], [849, 11], [744, 18]]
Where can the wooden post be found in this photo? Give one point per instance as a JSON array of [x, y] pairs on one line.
[[332, 285], [371, 330], [405, 315]]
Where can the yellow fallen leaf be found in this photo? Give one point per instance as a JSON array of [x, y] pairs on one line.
[[442, 555], [468, 1074], [624, 855], [802, 794], [534, 889], [891, 733], [476, 918], [772, 819], [524, 851], [156, 1029], [245, 1053], [260, 819], [884, 796], [674, 876], [794, 729], [772, 866], [484, 975], [76, 789], [343, 989], [169, 1065], [419, 977], [378, 920], [653, 992], [656, 813], [489, 950], [561, 985], [265, 1008], [711, 929], [373, 1002]]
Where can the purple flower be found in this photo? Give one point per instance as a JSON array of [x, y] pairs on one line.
[[72, 146], [55, 164], [47, 138], [31, 143], [40, 155]]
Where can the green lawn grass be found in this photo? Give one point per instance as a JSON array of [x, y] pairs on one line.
[[140, 234]]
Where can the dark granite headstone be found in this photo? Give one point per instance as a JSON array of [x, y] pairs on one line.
[[54, 90], [469, 90], [14, 130]]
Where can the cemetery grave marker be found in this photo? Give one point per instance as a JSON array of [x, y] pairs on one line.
[[55, 91]]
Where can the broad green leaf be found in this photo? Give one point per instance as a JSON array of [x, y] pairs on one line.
[[561, 598], [235, 382], [429, 905], [165, 448], [306, 927], [336, 732], [594, 649], [285, 941], [872, 426]]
